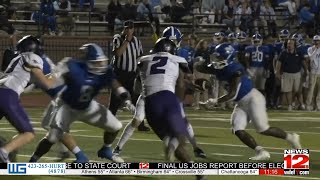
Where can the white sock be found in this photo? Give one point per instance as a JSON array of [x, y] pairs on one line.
[[289, 137], [107, 145], [173, 143], [4, 151], [258, 148], [126, 134], [62, 147], [190, 130], [190, 136], [76, 150], [166, 141]]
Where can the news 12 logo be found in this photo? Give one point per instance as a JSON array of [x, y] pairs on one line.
[[143, 165], [296, 161], [17, 168]]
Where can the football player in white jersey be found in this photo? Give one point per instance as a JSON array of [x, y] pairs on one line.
[[160, 73], [174, 35], [19, 72]]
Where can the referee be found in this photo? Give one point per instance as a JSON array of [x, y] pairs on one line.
[[126, 49]]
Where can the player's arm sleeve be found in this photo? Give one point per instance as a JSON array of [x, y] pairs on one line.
[[234, 88]]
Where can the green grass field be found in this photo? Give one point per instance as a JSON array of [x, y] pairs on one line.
[[213, 133]]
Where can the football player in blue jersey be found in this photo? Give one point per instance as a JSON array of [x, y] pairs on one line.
[[218, 38], [174, 35], [232, 40], [84, 78], [242, 41], [278, 47], [279, 44], [271, 80], [257, 59], [250, 103]]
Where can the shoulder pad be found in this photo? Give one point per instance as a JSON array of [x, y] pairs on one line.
[[178, 59], [32, 60]]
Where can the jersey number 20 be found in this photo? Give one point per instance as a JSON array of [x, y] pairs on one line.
[[257, 56], [162, 61]]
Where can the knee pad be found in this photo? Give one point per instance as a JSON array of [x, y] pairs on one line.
[[55, 135], [115, 127]]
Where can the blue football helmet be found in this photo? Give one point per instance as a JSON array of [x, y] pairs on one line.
[[241, 36], [29, 44], [223, 56], [173, 34], [218, 37], [232, 37], [95, 58], [284, 34], [257, 40], [299, 39], [165, 45]]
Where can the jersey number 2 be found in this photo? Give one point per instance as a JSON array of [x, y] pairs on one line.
[[162, 61], [86, 93]]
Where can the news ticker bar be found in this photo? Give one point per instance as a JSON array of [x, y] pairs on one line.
[[147, 169], [164, 165]]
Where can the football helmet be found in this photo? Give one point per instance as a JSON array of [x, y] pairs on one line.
[[165, 45], [173, 34], [29, 44], [257, 40], [232, 37], [223, 56], [218, 37], [241, 36], [284, 34], [299, 39], [95, 58]]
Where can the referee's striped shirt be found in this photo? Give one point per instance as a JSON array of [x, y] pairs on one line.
[[127, 61]]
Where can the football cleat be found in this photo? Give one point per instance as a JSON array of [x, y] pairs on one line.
[[106, 152], [4, 158], [294, 140], [117, 151], [261, 155], [199, 153], [83, 159]]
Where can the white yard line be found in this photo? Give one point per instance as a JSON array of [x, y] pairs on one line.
[[222, 128], [156, 140], [221, 154]]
